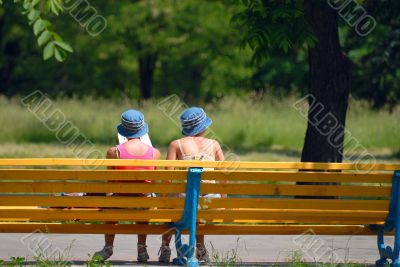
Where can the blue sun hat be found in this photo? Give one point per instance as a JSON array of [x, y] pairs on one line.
[[132, 124], [194, 120]]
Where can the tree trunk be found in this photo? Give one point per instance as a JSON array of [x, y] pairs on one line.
[[9, 53], [3, 75], [329, 87], [146, 70]]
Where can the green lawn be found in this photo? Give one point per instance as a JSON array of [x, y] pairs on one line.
[[266, 129]]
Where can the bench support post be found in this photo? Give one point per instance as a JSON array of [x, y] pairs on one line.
[[392, 222], [188, 221]]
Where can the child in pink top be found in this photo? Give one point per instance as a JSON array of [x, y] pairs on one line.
[[132, 126], [123, 153]]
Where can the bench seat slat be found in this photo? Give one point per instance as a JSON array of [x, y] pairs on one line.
[[20, 174], [202, 229], [169, 202]]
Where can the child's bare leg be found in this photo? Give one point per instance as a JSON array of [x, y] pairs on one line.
[[166, 239], [143, 256], [107, 250], [200, 239], [201, 251], [165, 251], [142, 239], [109, 240]]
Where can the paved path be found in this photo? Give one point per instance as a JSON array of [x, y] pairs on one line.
[[258, 249]]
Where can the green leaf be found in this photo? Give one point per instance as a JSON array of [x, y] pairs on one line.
[[47, 6], [43, 38], [55, 6], [35, 2], [58, 5], [47, 24], [26, 5], [33, 14], [64, 46], [58, 55], [57, 37], [38, 27], [48, 51]]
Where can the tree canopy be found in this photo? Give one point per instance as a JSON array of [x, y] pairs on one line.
[[192, 48]]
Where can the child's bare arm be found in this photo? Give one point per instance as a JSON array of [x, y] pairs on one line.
[[219, 156], [112, 154], [171, 155], [156, 154]]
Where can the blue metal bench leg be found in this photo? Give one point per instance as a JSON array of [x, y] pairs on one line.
[[192, 262], [180, 249], [384, 252], [396, 249], [186, 252], [392, 222]]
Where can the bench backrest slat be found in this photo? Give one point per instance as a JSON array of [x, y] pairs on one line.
[[232, 189], [272, 176], [227, 215], [171, 202], [71, 187], [187, 163]]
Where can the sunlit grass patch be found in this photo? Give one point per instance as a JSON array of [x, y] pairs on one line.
[[240, 123]]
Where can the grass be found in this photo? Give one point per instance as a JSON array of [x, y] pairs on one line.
[[218, 259], [296, 259], [43, 261], [225, 259], [242, 124]]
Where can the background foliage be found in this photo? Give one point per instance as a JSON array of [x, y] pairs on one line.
[[193, 48]]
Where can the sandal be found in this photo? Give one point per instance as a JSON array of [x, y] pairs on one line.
[[201, 253], [165, 254], [105, 253], [143, 256]]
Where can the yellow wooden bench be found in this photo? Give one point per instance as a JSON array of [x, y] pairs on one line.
[[261, 198]]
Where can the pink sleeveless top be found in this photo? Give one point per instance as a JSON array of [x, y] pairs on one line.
[[124, 154]]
